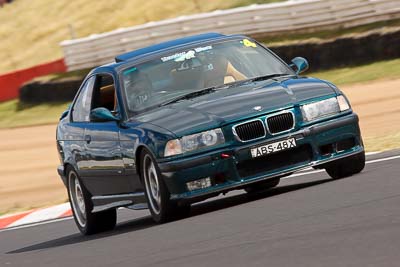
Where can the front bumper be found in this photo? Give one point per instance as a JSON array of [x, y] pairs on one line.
[[237, 170]]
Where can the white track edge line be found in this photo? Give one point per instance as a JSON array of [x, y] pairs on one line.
[[35, 224], [318, 171], [384, 159], [373, 153]]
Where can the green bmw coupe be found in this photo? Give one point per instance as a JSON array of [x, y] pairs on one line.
[[178, 122]]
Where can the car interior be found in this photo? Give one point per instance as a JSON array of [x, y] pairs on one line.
[[193, 75], [104, 94]]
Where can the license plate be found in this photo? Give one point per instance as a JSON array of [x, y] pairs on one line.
[[273, 147]]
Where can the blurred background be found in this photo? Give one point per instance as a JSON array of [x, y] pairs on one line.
[[47, 47]]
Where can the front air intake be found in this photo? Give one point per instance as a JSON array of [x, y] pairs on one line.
[[280, 123], [250, 130]]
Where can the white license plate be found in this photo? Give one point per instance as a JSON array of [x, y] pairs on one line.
[[273, 147]]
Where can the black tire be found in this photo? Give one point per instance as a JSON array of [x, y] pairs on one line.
[[162, 209], [87, 222], [346, 167], [261, 186]]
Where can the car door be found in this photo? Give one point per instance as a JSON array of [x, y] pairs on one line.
[[106, 174], [75, 129]]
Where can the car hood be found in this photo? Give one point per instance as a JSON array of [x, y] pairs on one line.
[[235, 103]]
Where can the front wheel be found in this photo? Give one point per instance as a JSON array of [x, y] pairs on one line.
[[161, 207], [346, 167], [80, 199]]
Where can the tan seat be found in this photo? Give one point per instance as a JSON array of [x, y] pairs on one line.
[[108, 98], [229, 79], [232, 74]]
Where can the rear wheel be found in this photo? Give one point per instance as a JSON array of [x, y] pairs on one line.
[[346, 167], [88, 223], [161, 207], [261, 186]]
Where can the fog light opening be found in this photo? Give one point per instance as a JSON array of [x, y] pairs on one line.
[[326, 150], [219, 178], [199, 184], [345, 144]]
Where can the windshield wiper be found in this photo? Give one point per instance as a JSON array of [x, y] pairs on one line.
[[192, 95], [256, 79], [265, 77], [269, 76]]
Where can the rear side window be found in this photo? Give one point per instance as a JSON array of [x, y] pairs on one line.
[[81, 109]]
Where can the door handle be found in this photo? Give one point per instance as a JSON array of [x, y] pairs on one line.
[[88, 138]]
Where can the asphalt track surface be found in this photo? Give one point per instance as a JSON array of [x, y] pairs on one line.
[[309, 220]]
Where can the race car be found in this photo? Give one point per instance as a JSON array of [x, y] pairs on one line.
[[178, 122]]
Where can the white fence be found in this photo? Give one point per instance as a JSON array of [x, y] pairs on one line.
[[292, 15]]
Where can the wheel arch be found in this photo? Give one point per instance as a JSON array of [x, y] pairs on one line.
[[138, 154], [69, 164]]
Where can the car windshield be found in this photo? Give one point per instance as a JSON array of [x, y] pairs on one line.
[[185, 72]]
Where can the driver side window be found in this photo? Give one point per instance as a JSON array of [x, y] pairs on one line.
[[81, 108], [104, 94]]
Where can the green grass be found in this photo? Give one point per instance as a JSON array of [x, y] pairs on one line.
[[382, 143], [76, 74], [14, 114], [389, 69], [251, 2]]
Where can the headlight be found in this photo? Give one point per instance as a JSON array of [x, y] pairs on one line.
[[324, 108], [194, 142]]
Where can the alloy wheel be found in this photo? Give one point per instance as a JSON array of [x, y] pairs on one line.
[[152, 185], [77, 198]]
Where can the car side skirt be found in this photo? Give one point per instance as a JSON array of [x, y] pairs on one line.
[[101, 203]]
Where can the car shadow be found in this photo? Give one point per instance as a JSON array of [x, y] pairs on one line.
[[121, 228], [218, 204], [147, 222]]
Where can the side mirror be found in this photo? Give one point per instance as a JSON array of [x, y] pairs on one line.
[[301, 64], [102, 115], [65, 112]]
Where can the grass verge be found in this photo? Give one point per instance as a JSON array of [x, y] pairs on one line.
[[15, 114], [382, 70], [382, 143]]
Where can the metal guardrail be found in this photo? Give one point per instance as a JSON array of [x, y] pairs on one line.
[[293, 15]]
